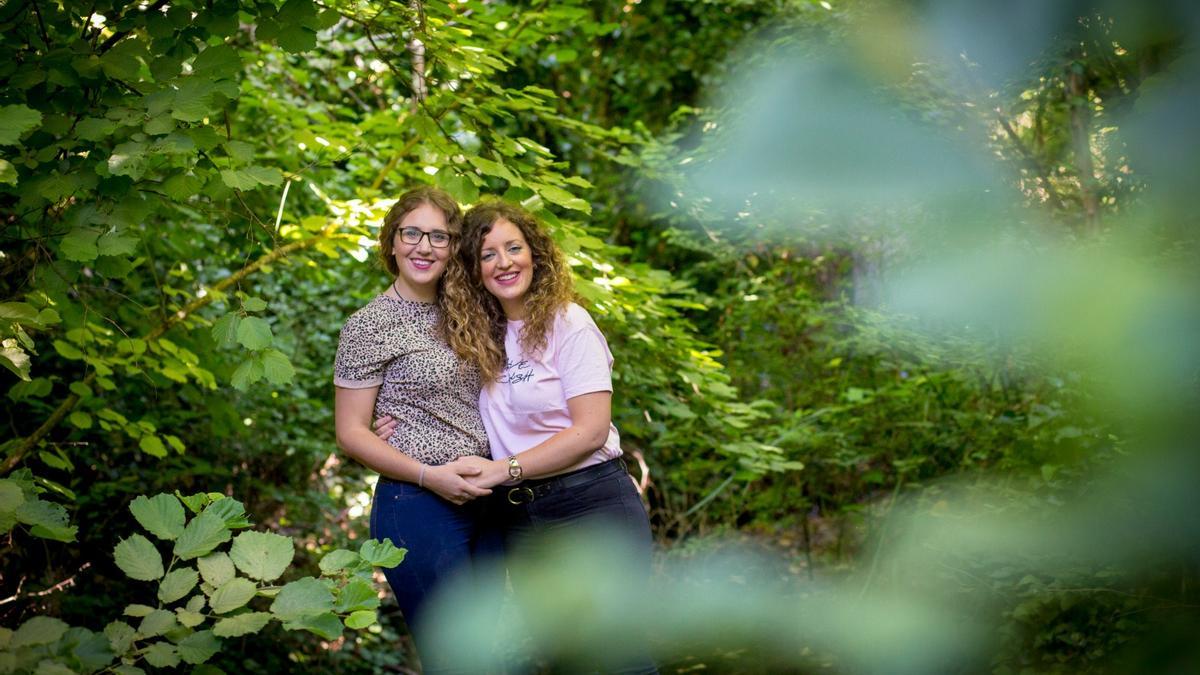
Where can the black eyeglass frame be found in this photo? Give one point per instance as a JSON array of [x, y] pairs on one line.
[[417, 242]]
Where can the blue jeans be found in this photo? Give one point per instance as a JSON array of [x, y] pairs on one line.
[[442, 540], [605, 497]]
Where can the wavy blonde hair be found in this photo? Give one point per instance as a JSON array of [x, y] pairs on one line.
[[466, 300]]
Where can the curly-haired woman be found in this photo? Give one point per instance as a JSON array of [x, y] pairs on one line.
[[391, 361], [547, 394]]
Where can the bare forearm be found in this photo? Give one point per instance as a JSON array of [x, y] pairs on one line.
[[369, 450]]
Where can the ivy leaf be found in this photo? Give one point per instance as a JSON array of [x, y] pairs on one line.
[[262, 555], [80, 245], [276, 367], [216, 568], [15, 120], [361, 619], [206, 532], [382, 553], [162, 515], [254, 333], [198, 647], [40, 630], [217, 62], [161, 655], [302, 598], [177, 584], [232, 594], [242, 624], [139, 559]]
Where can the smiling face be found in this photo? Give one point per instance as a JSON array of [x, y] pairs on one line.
[[506, 267], [420, 265]]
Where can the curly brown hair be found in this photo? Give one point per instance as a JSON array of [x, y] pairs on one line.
[[466, 299], [407, 203]]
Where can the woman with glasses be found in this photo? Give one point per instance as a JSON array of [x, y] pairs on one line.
[[391, 361]]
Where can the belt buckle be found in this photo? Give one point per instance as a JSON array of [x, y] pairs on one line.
[[515, 493]]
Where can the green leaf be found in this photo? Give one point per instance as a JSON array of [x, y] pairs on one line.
[[251, 177], [80, 245], [206, 532], [67, 350], [138, 610], [224, 330], [128, 670], [231, 511], [117, 242], [557, 195], [152, 445], [262, 555], [242, 624], [120, 635], [128, 159], [177, 584], [8, 172], [217, 62], [11, 495], [382, 553], [199, 647], [361, 619], [254, 304], [15, 359], [189, 618], [40, 630], [193, 100], [161, 655], [139, 559], [216, 568], [326, 625], [89, 648], [459, 186], [81, 419], [254, 333], [15, 120], [302, 598], [296, 39], [47, 520], [162, 515], [247, 373], [276, 367], [94, 129], [339, 559], [121, 62], [232, 594], [157, 622], [355, 595]]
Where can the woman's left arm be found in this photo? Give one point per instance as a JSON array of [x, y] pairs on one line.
[[591, 416]]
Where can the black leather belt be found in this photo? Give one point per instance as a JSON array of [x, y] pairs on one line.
[[531, 489]]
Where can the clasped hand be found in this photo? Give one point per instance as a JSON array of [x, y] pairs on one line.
[[457, 482]]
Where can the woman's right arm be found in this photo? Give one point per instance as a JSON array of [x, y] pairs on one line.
[[352, 410]]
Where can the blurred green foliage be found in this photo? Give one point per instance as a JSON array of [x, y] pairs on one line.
[[748, 191]]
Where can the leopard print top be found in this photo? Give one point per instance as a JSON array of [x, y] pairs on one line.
[[433, 395]]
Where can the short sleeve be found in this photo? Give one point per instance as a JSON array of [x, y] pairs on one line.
[[362, 355], [583, 360]]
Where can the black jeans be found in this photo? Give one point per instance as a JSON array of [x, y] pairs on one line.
[[602, 495]]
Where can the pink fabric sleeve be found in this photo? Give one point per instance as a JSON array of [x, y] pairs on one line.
[[583, 359]]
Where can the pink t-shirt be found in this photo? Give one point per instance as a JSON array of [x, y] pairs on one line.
[[528, 402]]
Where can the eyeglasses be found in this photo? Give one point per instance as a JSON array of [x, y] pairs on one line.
[[413, 235]]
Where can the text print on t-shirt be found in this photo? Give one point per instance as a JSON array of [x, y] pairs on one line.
[[516, 373]]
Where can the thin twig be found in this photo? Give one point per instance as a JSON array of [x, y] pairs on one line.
[[62, 585]]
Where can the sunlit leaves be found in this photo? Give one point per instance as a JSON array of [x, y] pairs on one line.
[[302, 598], [232, 595], [262, 555], [177, 584], [221, 61], [251, 177], [382, 553], [216, 568], [161, 515], [241, 624], [201, 536], [138, 558]]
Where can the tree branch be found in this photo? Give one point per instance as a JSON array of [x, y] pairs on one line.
[[29, 443]]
